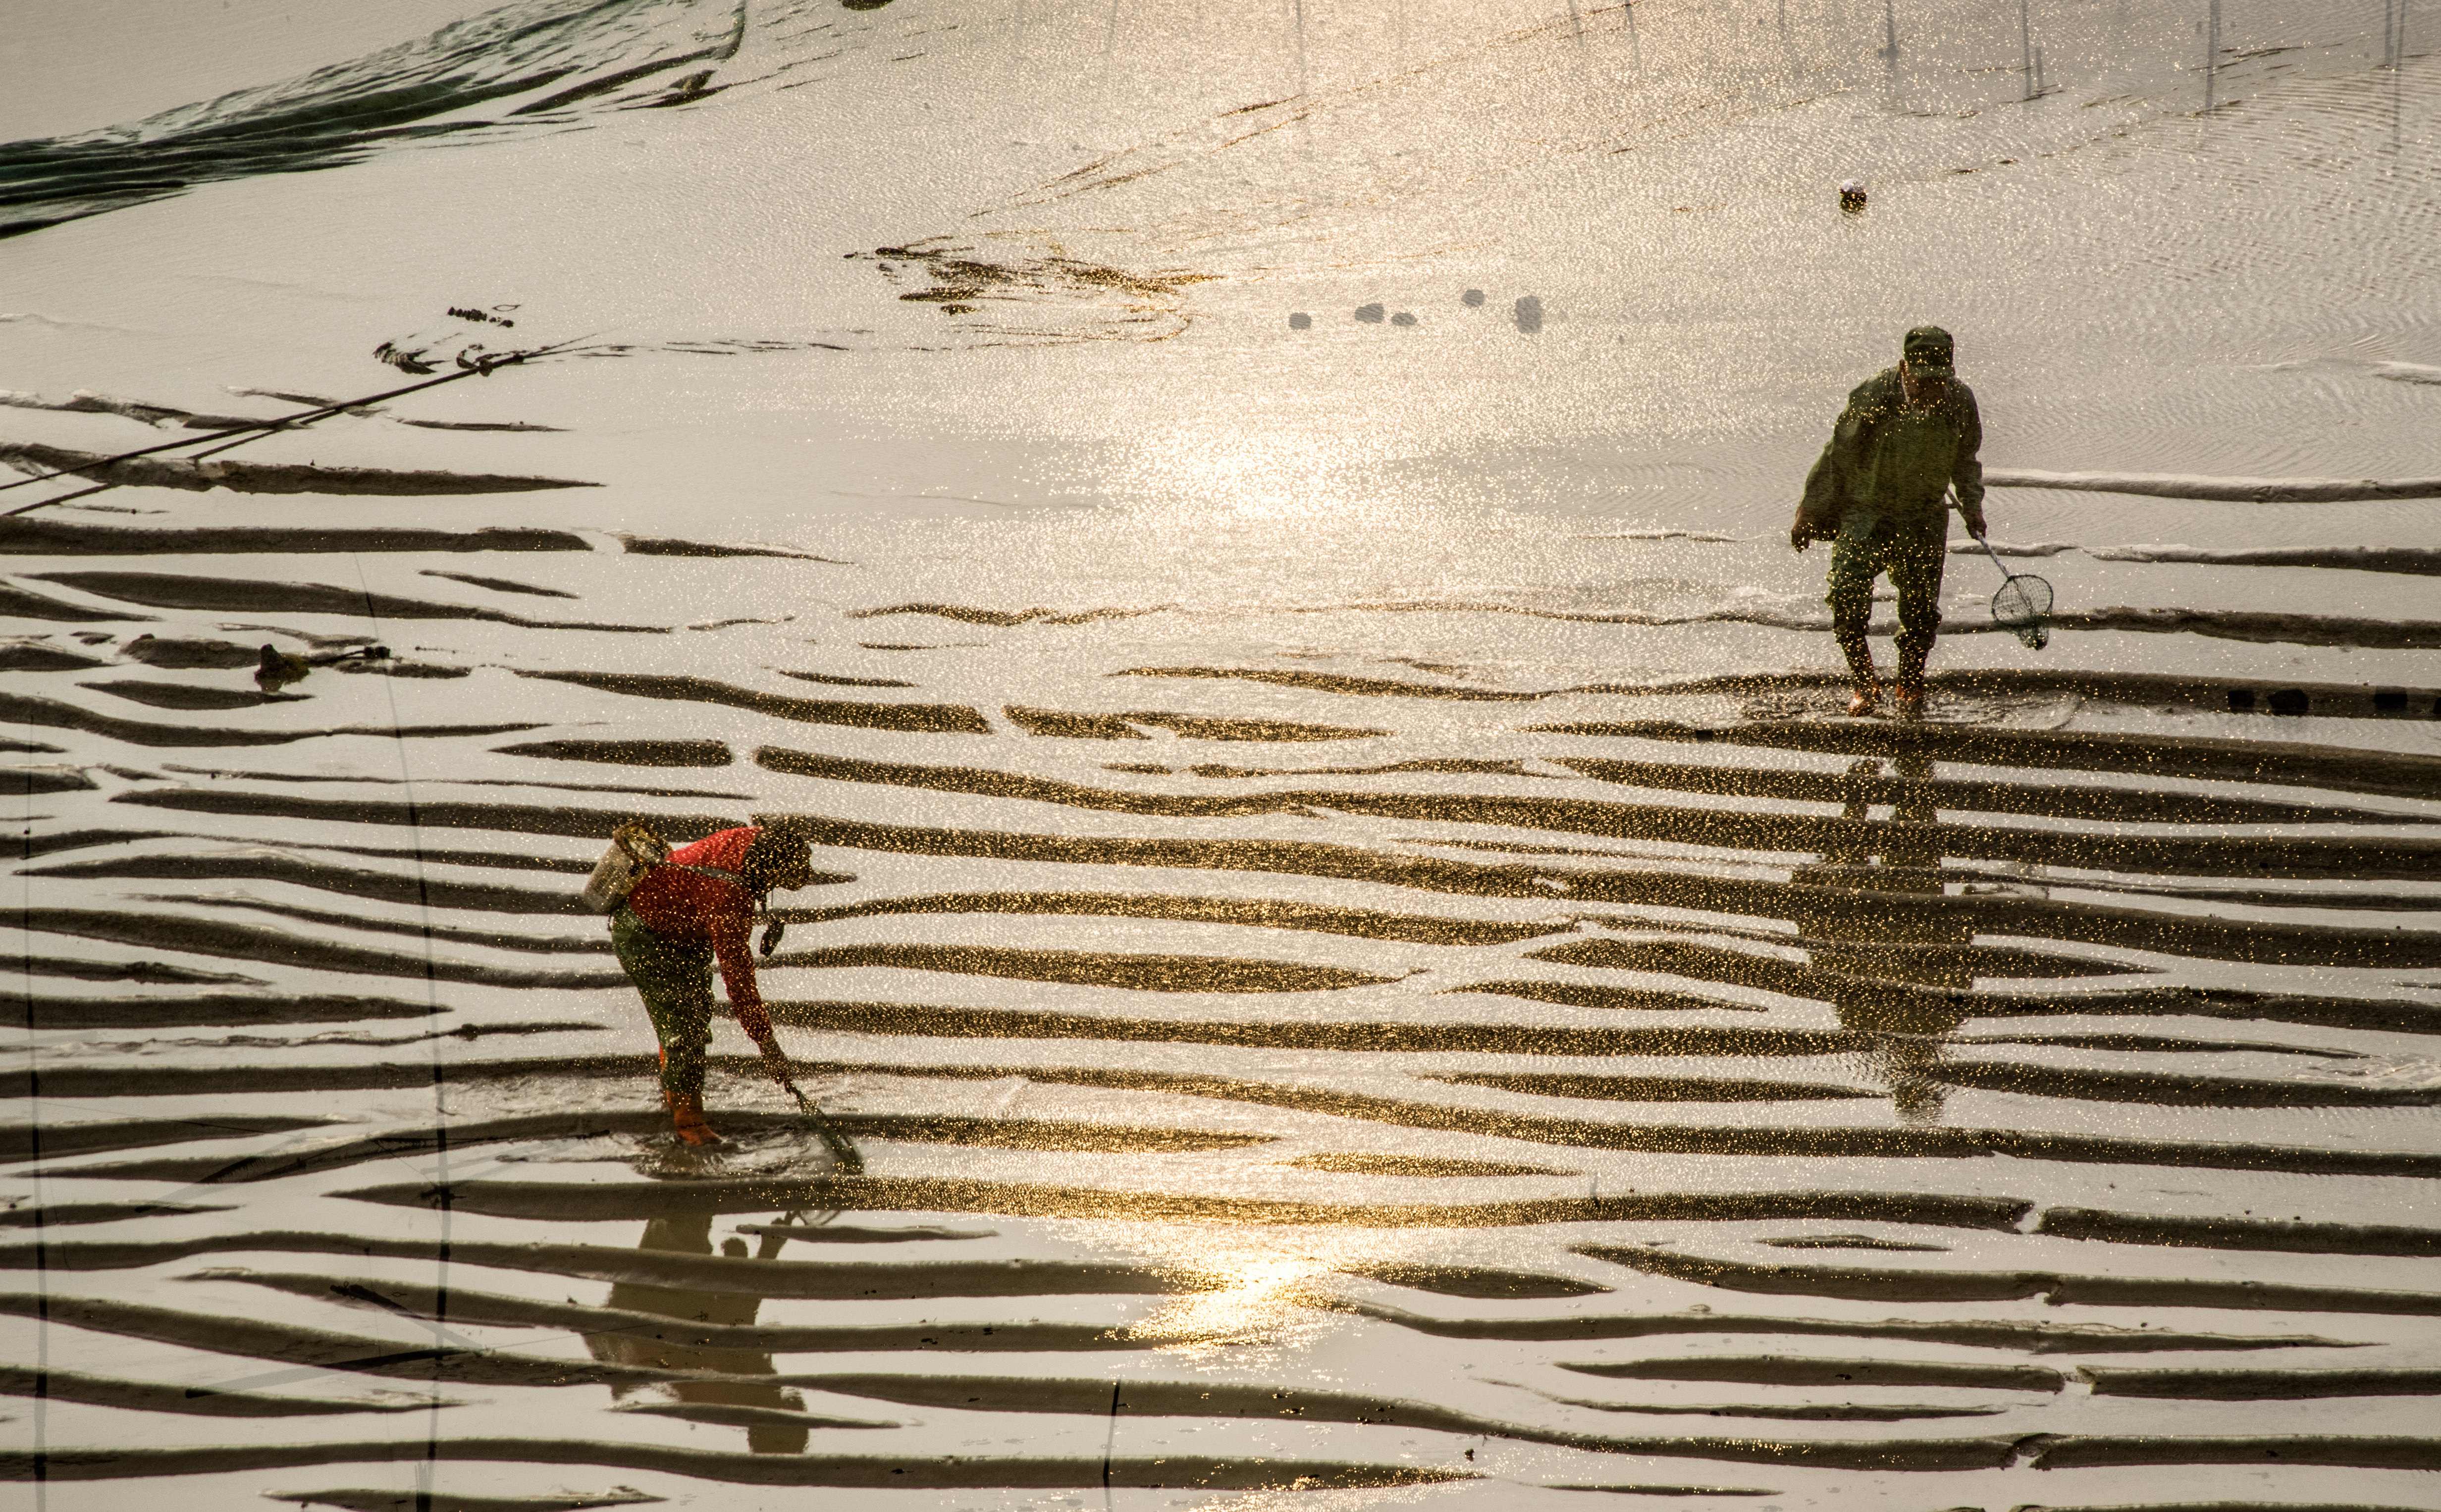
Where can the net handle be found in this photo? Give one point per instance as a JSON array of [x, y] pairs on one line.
[[1980, 539], [1986, 544]]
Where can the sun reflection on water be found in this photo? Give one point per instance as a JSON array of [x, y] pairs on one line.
[[1302, 476], [1345, 1498], [1248, 1295], [1262, 1297]]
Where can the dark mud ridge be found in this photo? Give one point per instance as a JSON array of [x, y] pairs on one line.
[[31, 535], [1987, 1285], [2236, 695], [944, 718], [2234, 624], [2203, 757], [163, 590], [23, 708], [2421, 560], [567, 1202], [2244, 625], [912, 1472], [261, 477], [2239, 490]]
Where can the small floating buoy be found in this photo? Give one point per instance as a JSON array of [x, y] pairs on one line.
[[1472, 298], [1369, 313], [1851, 196], [1402, 318], [1300, 321]]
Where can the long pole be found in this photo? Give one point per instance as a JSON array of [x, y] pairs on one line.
[[482, 367], [305, 417]]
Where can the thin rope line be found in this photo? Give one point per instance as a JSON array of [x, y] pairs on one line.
[[1109, 1443], [482, 368], [425, 1472], [34, 1154]]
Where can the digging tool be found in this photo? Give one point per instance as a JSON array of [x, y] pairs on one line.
[[851, 1161]]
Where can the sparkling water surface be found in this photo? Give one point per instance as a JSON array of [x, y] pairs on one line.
[[1365, 962]]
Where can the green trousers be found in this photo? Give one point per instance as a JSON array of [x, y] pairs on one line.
[[676, 983], [1911, 553]]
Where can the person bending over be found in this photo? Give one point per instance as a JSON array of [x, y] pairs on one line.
[[1878, 493], [689, 911]]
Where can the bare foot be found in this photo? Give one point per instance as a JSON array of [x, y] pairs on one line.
[[1908, 702], [1865, 701]]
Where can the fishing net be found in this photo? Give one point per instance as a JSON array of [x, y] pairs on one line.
[[2020, 608]]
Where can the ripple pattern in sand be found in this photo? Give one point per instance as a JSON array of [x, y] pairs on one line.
[[1272, 1074]]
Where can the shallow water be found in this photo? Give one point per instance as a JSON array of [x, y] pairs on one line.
[[1366, 963]]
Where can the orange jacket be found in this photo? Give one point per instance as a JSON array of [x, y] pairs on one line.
[[689, 908]]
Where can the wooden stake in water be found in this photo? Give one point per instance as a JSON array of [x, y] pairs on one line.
[[2212, 60], [1303, 87], [2026, 47], [2393, 55]]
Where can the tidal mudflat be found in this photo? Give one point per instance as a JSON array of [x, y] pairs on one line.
[[1365, 962]]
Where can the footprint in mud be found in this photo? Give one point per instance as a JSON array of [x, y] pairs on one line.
[[1300, 321], [1527, 312], [1372, 314]]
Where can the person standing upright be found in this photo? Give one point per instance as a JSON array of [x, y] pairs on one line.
[[1880, 493]]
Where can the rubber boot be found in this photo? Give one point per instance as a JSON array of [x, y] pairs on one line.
[[686, 1116], [1907, 699], [1864, 680]]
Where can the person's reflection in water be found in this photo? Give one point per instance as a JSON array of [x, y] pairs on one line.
[[692, 1234], [1878, 991]]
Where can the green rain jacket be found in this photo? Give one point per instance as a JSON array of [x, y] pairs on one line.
[[1885, 462]]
